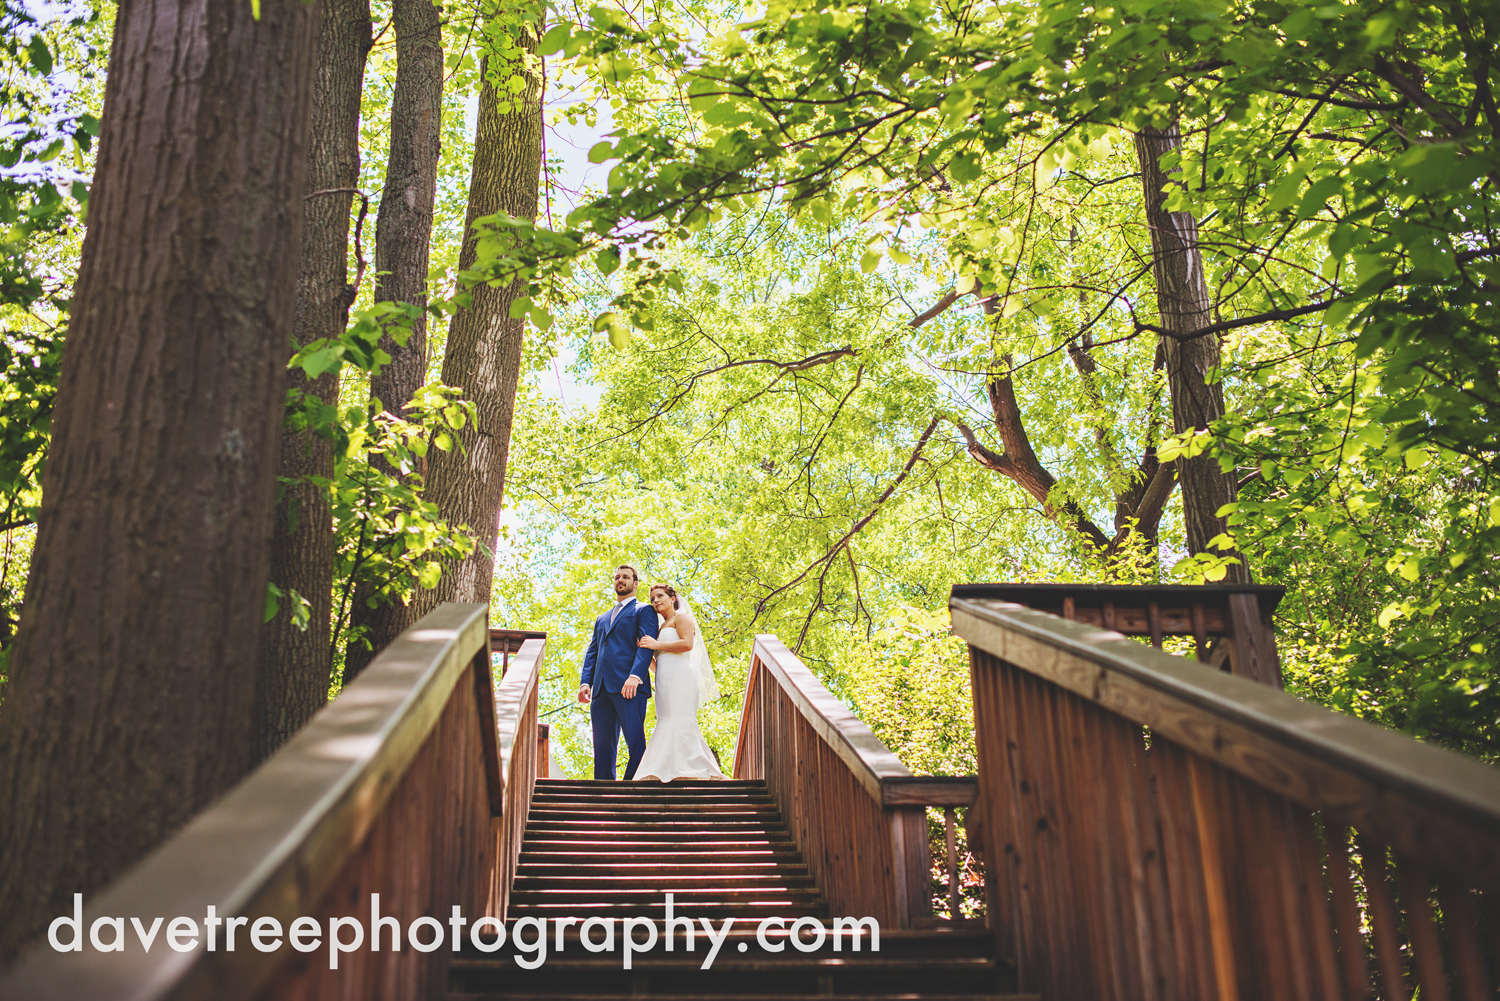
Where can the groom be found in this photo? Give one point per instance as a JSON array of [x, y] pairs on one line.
[[620, 670]]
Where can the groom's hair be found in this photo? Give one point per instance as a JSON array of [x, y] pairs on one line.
[[627, 566], [676, 603]]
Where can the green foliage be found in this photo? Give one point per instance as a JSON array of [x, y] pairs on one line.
[[1340, 163], [50, 92], [388, 540], [42, 200], [911, 685], [387, 536]]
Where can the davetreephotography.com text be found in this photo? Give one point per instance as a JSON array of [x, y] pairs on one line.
[[529, 937]]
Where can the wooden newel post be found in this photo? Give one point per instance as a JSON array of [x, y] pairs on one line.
[[1252, 640], [543, 758]]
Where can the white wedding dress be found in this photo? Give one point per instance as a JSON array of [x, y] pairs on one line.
[[677, 749]]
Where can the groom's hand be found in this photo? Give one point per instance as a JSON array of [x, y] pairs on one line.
[[631, 684], [584, 694]]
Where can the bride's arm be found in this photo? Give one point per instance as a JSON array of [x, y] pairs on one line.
[[685, 629]]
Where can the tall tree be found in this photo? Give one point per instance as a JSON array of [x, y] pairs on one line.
[[1185, 307], [292, 681], [403, 237], [483, 355], [133, 673]]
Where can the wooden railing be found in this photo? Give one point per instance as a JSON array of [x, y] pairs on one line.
[[858, 814], [506, 642], [1230, 624], [397, 787], [516, 719], [1153, 829]]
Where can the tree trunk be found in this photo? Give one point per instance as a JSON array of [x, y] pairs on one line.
[[133, 673], [483, 355], [403, 236], [292, 681], [403, 227], [1184, 305]]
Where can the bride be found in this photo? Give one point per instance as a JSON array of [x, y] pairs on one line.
[[683, 676]]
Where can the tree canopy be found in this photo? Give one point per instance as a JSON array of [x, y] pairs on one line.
[[866, 306]]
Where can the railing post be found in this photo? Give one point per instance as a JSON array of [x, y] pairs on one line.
[[910, 855]]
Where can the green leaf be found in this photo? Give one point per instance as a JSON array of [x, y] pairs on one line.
[[430, 574], [321, 361], [607, 260], [554, 40], [1286, 190], [965, 167], [601, 151], [616, 325], [41, 56]]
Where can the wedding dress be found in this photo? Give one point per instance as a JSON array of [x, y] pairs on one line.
[[677, 749]]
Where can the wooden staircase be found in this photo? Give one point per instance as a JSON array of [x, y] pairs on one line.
[[722, 849]]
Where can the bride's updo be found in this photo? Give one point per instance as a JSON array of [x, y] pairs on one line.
[[671, 593]]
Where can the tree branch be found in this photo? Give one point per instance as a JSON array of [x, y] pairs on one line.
[[1423, 100], [949, 298], [1020, 464], [1245, 321], [827, 557]]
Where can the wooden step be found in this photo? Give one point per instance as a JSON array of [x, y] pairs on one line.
[[653, 870], [664, 796], [715, 910], [685, 826], [632, 786], [645, 809], [895, 943], [512, 996], [635, 836], [585, 901], [659, 856], [678, 884]]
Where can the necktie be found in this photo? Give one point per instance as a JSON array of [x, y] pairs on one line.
[[616, 613]]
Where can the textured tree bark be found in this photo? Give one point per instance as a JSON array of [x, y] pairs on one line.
[[483, 355], [133, 673], [291, 683], [403, 237], [1183, 301], [403, 226]]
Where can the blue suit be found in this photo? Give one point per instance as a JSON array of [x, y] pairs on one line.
[[613, 656]]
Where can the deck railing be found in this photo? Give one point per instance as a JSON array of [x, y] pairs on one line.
[[1154, 829], [516, 719], [396, 787], [858, 814]]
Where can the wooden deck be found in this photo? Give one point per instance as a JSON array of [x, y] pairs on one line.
[[1153, 828]]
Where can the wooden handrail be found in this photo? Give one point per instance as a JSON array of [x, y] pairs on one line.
[[1169, 831], [516, 724], [857, 811], [1237, 614], [279, 842], [867, 757], [1418, 797]]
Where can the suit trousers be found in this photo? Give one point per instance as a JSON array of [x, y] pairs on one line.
[[611, 714]]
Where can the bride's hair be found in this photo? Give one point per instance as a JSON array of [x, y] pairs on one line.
[[671, 593]]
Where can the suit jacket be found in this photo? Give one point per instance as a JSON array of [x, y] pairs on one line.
[[612, 655]]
